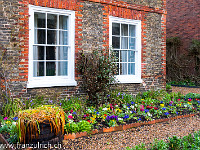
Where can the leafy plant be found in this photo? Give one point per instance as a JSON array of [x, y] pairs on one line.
[[174, 143], [97, 70], [159, 145], [71, 127], [84, 126], [12, 107]]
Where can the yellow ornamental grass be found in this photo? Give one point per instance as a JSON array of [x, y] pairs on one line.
[[30, 119]]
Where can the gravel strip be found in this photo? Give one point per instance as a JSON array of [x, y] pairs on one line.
[[131, 137]]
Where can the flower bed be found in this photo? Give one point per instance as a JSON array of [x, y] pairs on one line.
[[121, 111]]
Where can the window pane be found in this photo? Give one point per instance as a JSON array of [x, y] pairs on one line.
[[124, 30], [38, 52], [62, 68], [39, 20], [132, 30], [38, 68], [51, 21], [63, 22], [63, 38], [63, 53], [132, 43], [116, 54], [116, 42], [131, 56], [40, 36], [51, 36], [50, 69], [123, 68], [131, 68], [50, 53], [115, 29], [123, 56], [124, 43]]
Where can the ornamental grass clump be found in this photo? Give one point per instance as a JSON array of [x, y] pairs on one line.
[[29, 121]]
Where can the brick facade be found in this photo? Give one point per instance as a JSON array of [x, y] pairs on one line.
[[91, 32], [183, 21]]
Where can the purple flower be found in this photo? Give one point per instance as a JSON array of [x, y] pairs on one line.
[[177, 113], [161, 101], [163, 108], [139, 119], [108, 95], [132, 103], [126, 116], [166, 113], [15, 118], [31, 101], [23, 104], [146, 110], [170, 104], [97, 113], [60, 104], [32, 104], [74, 113], [5, 118], [84, 116]]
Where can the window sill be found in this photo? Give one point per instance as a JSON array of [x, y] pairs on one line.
[[51, 83], [128, 79]]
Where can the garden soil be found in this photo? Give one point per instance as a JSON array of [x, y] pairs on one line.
[[131, 137]]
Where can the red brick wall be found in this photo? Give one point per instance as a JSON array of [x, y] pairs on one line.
[[153, 68], [183, 20]]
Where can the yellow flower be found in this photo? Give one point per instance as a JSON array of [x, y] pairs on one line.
[[119, 110], [178, 104], [162, 105], [94, 116], [189, 103], [108, 108], [8, 122]]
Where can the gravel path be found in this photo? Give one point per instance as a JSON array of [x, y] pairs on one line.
[[144, 134]]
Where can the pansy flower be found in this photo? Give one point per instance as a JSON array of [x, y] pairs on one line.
[[5, 118], [15, 118], [162, 105], [156, 108], [166, 113], [132, 103]]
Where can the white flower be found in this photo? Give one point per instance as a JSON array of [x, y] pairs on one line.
[[132, 107], [14, 123], [120, 118], [89, 111], [131, 112], [104, 108], [148, 113], [116, 105]]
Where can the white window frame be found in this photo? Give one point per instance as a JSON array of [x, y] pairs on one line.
[[50, 81], [129, 78]]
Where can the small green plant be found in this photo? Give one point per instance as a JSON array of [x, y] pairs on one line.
[[174, 143], [84, 126], [71, 127], [159, 145]]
